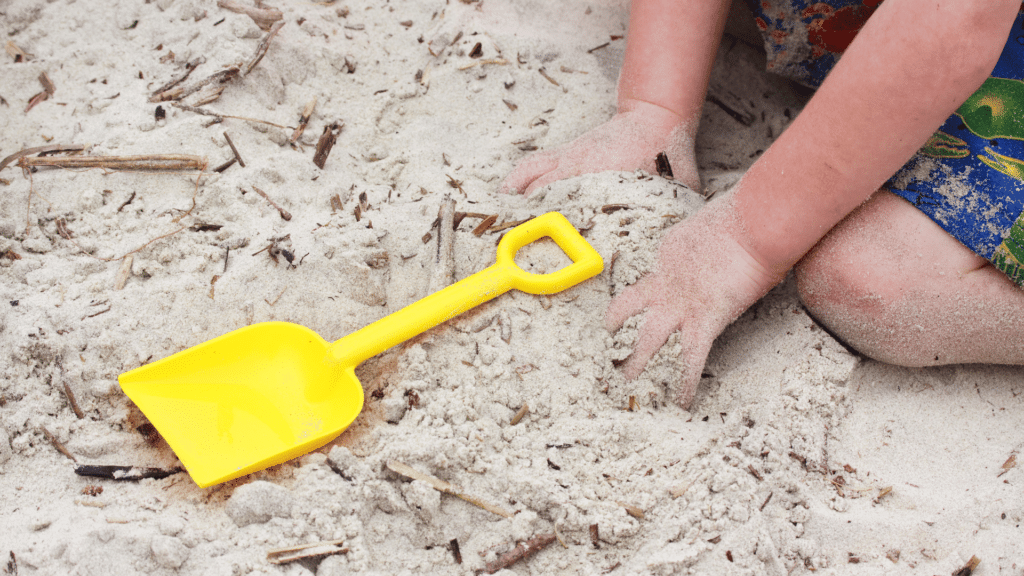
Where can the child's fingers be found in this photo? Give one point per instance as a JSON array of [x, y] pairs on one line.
[[696, 346], [626, 305], [552, 176], [528, 170], [656, 329]]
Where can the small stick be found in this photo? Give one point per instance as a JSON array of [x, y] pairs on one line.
[[18, 54], [226, 165], [507, 225], [307, 113], [123, 472], [968, 568], [520, 414], [234, 150], [52, 148], [483, 226], [306, 551], [548, 78], [181, 92], [444, 258], [48, 86], [189, 67], [634, 511], [73, 402], [521, 552], [121, 278], [284, 213], [326, 142], [264, 45], [662, 164], [56, 444], [444, 487], [263, 17], [454, 545], [141, 163]]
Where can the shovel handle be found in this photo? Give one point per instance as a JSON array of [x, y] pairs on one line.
[[474, 290]]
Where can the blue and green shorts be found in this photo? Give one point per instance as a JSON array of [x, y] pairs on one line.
[[969, 177]]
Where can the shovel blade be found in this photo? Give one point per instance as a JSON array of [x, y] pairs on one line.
[[249, 399]]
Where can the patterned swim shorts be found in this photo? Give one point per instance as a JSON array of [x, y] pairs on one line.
[[969, 177]]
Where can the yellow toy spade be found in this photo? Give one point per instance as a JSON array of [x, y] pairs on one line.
[[269, 392]]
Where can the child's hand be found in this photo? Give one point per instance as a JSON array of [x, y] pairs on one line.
[[703, 281], [632, 139]]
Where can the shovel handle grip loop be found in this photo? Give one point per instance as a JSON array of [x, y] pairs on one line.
[[470, 292], [586, 261]]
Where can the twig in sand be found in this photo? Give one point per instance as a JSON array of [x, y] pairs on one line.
[[444, 259], [140, 163], [454, 546], [521, 552], [226, 165], [48, 90], [442, 486], [18, 54], [306, 551], [73, 402], [210, 94], [969, 568], [520, 414], [124, 472], [261, 50], [50, 149], [263, 17], [220, 117], [663, 166], [235, 151], [307, 113], [123, 272], [485, 225], [189, 67], [56, 444], [326, 142], [284, 213]]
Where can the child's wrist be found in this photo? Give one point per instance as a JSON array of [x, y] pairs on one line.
[[651, 112]]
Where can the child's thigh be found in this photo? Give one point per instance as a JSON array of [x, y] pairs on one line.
[[883, 248]]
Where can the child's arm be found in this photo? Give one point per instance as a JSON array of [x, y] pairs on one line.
[[670, 49], [910, 67]]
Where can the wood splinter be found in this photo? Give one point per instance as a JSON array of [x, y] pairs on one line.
[[235, 151], [57, 444], [284, 213], [520, 414], [140, 163], [521, 552], [444, 259], [315, 550], [307, 113], [112, 472], [969, 568], [442, 486], [326, 142]]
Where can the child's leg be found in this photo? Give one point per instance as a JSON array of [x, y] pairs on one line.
[[899, 289]]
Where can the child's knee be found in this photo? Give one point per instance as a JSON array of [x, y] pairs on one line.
[[852, 285]]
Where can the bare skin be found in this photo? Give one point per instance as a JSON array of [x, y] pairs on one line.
[[908, 69], [916, 297]]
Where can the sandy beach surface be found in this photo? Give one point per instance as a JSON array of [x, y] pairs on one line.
[[798, 456]]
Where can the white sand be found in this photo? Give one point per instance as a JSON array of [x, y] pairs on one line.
[[779, 467]]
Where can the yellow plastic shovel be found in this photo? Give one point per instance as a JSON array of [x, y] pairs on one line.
[[269, 392]]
